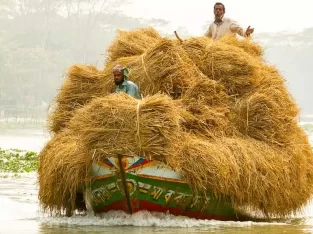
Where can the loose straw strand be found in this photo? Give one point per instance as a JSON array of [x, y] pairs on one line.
[[144, 67], [138, 127], [212, 66]]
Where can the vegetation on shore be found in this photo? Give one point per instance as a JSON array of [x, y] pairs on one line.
[[17, 161]]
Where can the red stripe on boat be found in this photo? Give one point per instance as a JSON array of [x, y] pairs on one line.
[[140, 205]]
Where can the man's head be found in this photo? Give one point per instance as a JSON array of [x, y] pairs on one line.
[[118, 73], [219, 10]]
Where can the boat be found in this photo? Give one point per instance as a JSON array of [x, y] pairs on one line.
[[132, 183]]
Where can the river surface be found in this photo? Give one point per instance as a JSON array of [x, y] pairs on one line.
[[20, 212]]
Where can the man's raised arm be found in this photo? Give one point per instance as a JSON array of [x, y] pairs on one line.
[[236, 28]]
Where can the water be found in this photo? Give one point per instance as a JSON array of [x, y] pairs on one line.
[[20, 213], [23, 138]]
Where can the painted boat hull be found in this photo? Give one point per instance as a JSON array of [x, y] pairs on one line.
[[132, 184]]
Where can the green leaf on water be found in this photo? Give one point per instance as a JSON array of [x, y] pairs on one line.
[[16, 160]]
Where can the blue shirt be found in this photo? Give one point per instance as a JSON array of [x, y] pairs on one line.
[[128, 87]]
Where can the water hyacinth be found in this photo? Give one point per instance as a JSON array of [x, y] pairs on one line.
[[16, 161]]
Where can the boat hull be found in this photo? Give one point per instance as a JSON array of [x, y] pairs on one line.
[[132, 184]]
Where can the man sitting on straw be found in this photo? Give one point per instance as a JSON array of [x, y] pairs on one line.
[[120, 74], [223, 26]]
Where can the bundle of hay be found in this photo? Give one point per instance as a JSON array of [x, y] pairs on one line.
[[165, 68], [206, 92], [63, 172], [120, 124], [83, 83], [246, 44], [268, 113], [230, 65], [233, 132], [131, 43], [208, 107], [251, 173]]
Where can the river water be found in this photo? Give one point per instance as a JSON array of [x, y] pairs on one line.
[[20, 212]]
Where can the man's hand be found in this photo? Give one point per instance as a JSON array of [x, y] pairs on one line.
[[249, 31]]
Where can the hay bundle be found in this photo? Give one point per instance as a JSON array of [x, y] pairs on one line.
[[83, 83], [210, 123], [165, 67], [252, 173], [208, 105], [232, 66], [206, 92], [63, 171], [270, 76], [131, 43], [214, 78], [246, 44], [261, 117], [121, 124], [269, 112]]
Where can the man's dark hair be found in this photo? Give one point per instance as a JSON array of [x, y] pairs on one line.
[[219, 3]]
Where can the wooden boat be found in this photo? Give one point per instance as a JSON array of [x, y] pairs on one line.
[[132, 184]]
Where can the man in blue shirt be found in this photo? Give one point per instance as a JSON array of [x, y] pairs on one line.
[[120, 74]]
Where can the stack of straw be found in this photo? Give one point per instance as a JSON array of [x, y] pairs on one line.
[[132, 43], [63, 173], [122, 124], [247, 45], [165, 67], [251, 173], [83, 83], [230, 65], [268, 113], [233, 132], [114, 124], [207, 106]]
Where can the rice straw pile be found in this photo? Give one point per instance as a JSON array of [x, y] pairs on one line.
[[268, 113], [265, 178], [164, 67], [131, 43], [82, 84], [233, 131], [246, 44], [63, 172], [121, 124], [208, 108], [230, 65]]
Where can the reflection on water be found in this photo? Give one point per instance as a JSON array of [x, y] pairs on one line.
[[20, 212]]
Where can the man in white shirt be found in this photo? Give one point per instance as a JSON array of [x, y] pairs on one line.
[[223, 26]]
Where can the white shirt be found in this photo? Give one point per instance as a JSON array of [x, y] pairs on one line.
[[226, 26]]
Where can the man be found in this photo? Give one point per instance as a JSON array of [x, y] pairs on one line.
[[120, 74], [223, 26]]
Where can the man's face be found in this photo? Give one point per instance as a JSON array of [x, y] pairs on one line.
[[118, 77], [219, 11]]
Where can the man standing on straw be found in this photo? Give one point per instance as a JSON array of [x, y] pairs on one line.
[[223, 26], [120, 74]]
